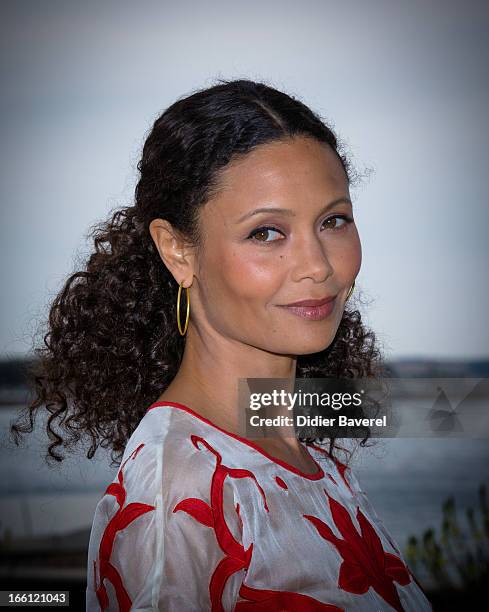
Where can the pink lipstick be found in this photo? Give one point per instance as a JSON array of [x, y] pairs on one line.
[[313, 309]]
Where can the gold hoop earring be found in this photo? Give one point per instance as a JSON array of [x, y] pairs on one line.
[[350, 291], [182, 333]]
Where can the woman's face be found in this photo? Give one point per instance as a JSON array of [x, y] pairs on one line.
[[255, 259]]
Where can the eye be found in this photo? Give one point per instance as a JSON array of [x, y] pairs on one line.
[[347, 219], [260, 234]]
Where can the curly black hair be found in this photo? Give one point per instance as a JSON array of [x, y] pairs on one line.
[[112, 346]]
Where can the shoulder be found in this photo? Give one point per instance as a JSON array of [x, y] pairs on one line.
[[169, 470], [173, 453], [168, 507]]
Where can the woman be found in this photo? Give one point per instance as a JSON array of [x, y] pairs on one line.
[[242, 210]]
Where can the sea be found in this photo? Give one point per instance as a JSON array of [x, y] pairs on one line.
[[406, 480]]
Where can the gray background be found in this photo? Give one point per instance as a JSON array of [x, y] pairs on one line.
[[404, 84]]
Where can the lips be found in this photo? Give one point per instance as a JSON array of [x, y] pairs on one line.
[[314, 313], [313, 302]]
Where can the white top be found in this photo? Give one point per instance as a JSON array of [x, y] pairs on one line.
[[198, 518]]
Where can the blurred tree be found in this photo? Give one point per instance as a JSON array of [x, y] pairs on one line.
[[458, 559]]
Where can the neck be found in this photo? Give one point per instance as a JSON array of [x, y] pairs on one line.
[[208, 379]]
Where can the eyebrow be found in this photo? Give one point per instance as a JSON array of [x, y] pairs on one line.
[[288, 211]]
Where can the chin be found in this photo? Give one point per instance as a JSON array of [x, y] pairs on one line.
[[313, 347], [305, 345]]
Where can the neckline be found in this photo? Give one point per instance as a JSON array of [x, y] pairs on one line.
[[318, 475]]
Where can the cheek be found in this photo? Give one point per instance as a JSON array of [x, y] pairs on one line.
[[355, 256], [238, 286], [249, 275], [346, 256]]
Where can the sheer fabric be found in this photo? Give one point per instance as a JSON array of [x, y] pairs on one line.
[[200, 519]]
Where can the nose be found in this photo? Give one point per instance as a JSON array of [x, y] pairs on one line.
[[310, 260]]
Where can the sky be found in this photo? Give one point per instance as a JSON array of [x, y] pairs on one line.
[[404, 84]]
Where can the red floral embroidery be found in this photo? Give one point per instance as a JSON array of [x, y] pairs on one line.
[[365, 564], [332, 479], [265, 600], [239, 516], [236, 557], [281, 483], [122, 518]]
